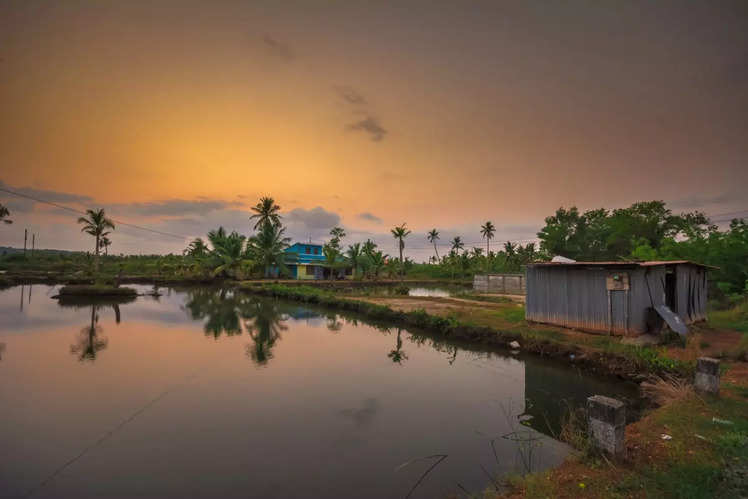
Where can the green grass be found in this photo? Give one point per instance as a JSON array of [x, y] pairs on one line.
[[487, 326], [735, 318]]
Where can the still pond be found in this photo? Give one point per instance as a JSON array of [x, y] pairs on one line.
[[201, 392]]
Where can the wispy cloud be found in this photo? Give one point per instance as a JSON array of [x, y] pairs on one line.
[[15, 203], [316, 218], [350, 95], [278, 49], [369, 125], [369, 217], [173, 207]]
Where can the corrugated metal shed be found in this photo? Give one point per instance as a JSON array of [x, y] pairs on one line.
[[615, 297]]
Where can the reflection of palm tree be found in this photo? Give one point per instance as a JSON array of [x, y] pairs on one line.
[[454, 356], [220, 307], [333, 324], [264, 324], [89, 343], [397, 355]]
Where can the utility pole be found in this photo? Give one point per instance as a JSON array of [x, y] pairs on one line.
[[33, 244], [25, 238]]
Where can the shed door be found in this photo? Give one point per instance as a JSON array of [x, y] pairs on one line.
[[617, 284]]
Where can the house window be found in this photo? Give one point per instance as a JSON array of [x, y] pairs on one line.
[[308, 250], [316, 251], [309, 270]]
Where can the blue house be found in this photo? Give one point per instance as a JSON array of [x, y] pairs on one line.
[[306, 261]]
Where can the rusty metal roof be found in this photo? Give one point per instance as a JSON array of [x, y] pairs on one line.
[[650, 263]]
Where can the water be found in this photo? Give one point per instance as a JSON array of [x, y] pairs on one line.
[[202, 393]]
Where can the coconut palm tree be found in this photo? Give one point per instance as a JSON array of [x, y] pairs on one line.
[[332, 258], [400, 233], [433, 236], [457, 244], [4, 214], [230, 254], [266, 211], [196, 249], [105, 243], [487, 231], [355, 257], [95, 224], [267, 248], [377, 259]]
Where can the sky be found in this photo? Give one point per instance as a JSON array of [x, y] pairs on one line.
[[178, 116]]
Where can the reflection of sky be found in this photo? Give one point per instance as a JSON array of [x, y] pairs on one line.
[[331, 408]]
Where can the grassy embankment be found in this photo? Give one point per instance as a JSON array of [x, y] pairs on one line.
[[705, 457], [500, 326]]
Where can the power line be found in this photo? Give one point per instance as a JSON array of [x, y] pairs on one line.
[[119, 222]]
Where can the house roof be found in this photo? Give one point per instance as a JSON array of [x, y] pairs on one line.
[[650, 263]]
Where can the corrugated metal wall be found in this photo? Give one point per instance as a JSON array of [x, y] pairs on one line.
[[691, 289], [577, 297]]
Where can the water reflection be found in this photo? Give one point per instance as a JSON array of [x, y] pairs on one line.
[[90, 342], [90, 339], [264, 323], [397, 355], [331, 397], [230, 313]]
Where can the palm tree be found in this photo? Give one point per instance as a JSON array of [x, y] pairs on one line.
[[266, 211], [332, 254], [457, 244], [229, 253], [196, 249], [96, 224], [487, 231], [433, 236], [377, 260], [4, 213], [400, 233], [105, 243], [355, 257], [267, 248]]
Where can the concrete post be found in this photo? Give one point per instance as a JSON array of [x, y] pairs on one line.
[[607, 423], [707, 375]]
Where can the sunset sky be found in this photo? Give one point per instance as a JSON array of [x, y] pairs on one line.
[[179, 115]]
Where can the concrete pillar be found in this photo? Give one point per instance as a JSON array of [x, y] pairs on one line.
[[707, 375], [607, 423]]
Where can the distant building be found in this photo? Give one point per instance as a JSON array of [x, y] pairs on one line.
[[307, 261], [627, 298]]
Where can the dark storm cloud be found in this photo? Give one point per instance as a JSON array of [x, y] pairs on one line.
[[278, 49], [173, 207], [350, 95], [16, 203], [314, 219], [369, 125], [369, 217]]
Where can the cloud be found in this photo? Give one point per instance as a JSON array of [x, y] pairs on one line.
[[350, 95], [370, 217], [369, 125], [278, 49], [314, 219], [19, 204], [173, 207], [700, 201]]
